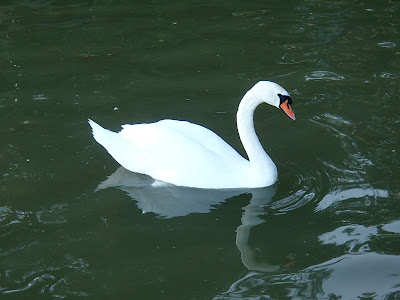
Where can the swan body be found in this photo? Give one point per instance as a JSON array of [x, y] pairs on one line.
[[190, 155]]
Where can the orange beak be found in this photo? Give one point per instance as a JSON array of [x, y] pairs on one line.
[[288, 110]]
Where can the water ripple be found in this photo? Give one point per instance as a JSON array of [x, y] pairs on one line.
[[323, 75], [307, 188], [328, 280], [46, 278], [339, 185], [387, 44], [364, 191], [347, 177], [26, 233]]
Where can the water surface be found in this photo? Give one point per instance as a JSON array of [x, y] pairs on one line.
[[328, 229]]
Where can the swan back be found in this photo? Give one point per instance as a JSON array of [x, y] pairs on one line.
[[176, 152]]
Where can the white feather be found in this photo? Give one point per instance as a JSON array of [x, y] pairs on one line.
[[186, 154]]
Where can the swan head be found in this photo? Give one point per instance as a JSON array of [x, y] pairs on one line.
[[273, 94]]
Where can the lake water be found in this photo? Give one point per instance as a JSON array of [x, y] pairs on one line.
[[329, 228]]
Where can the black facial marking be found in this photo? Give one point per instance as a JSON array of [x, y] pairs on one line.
[[285, 98]]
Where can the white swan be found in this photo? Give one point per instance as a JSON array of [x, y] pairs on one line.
[[186, 154]]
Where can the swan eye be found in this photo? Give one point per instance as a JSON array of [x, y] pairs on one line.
[[284, 98]]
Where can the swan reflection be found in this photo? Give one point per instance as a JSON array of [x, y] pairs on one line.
[[168, 201]]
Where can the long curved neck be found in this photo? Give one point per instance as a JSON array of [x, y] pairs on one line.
[[260, 162]]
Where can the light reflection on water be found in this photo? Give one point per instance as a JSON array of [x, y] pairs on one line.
[[346, 277]]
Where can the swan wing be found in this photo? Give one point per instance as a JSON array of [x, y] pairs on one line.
[[200, 135], [177, 152]]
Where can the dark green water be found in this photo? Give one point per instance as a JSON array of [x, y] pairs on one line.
[[329, 229]]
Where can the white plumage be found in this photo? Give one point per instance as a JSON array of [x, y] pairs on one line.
[[186, 154]]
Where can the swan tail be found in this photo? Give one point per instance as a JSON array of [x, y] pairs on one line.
[[113, 143], [101, 135]]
